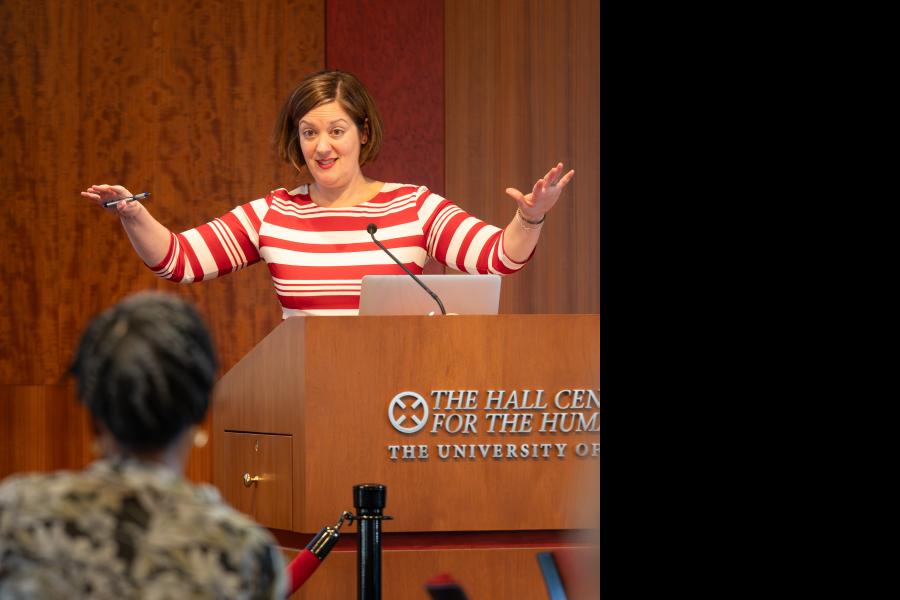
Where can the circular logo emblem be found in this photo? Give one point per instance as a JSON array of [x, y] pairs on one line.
[[407, 404]]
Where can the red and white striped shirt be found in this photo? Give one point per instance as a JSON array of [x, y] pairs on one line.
[[317, 256]]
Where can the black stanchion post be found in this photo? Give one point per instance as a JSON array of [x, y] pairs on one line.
[[369, 500]]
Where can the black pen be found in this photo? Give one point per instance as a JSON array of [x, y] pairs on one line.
[[140, 196]]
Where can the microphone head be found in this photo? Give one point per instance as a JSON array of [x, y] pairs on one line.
[[371, 228]]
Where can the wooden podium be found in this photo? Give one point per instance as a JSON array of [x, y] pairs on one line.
[[485, 430]]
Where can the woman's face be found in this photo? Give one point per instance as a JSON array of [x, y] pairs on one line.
[[330, 142]]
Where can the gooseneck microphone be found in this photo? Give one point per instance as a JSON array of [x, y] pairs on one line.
[[372, 228]]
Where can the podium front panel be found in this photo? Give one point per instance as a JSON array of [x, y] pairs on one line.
[[455, 473], [474, 423]]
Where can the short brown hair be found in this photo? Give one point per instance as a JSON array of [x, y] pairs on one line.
[[320, 88]]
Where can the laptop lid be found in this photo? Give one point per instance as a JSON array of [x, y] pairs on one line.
[[401, 295]]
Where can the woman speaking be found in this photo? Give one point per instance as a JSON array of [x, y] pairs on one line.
[[314, 238]]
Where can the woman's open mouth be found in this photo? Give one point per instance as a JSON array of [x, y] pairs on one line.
[[326, 164]]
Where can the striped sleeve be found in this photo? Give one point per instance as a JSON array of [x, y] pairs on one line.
[[460, 241], [217, 248]]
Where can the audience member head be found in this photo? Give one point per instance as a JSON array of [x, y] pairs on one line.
[[145, 369], [321, 88]]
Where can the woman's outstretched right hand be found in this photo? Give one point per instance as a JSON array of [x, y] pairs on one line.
[[104, 193], [149, 238]]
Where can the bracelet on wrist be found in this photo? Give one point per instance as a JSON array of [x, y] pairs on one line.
[[522, 216]]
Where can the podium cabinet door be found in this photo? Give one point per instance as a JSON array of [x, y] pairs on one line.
[[257, 470]]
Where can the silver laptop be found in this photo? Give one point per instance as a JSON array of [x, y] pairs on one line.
[[401, 295]]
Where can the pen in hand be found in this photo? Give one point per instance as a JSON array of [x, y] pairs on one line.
[[140, 196]]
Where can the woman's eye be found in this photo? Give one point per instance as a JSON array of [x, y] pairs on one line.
[[337, 132], [308, 133]]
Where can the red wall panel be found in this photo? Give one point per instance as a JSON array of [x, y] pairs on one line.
[[397, 50]]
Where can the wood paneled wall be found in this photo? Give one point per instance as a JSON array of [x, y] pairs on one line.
[[174, 98], [523, 93], [43, 427]]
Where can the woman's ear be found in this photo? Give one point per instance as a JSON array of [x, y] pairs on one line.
[[365, 132]]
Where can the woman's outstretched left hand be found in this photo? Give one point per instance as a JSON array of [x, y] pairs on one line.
[[544, 195]]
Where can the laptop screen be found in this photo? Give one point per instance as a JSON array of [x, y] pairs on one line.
[[401, 295]]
